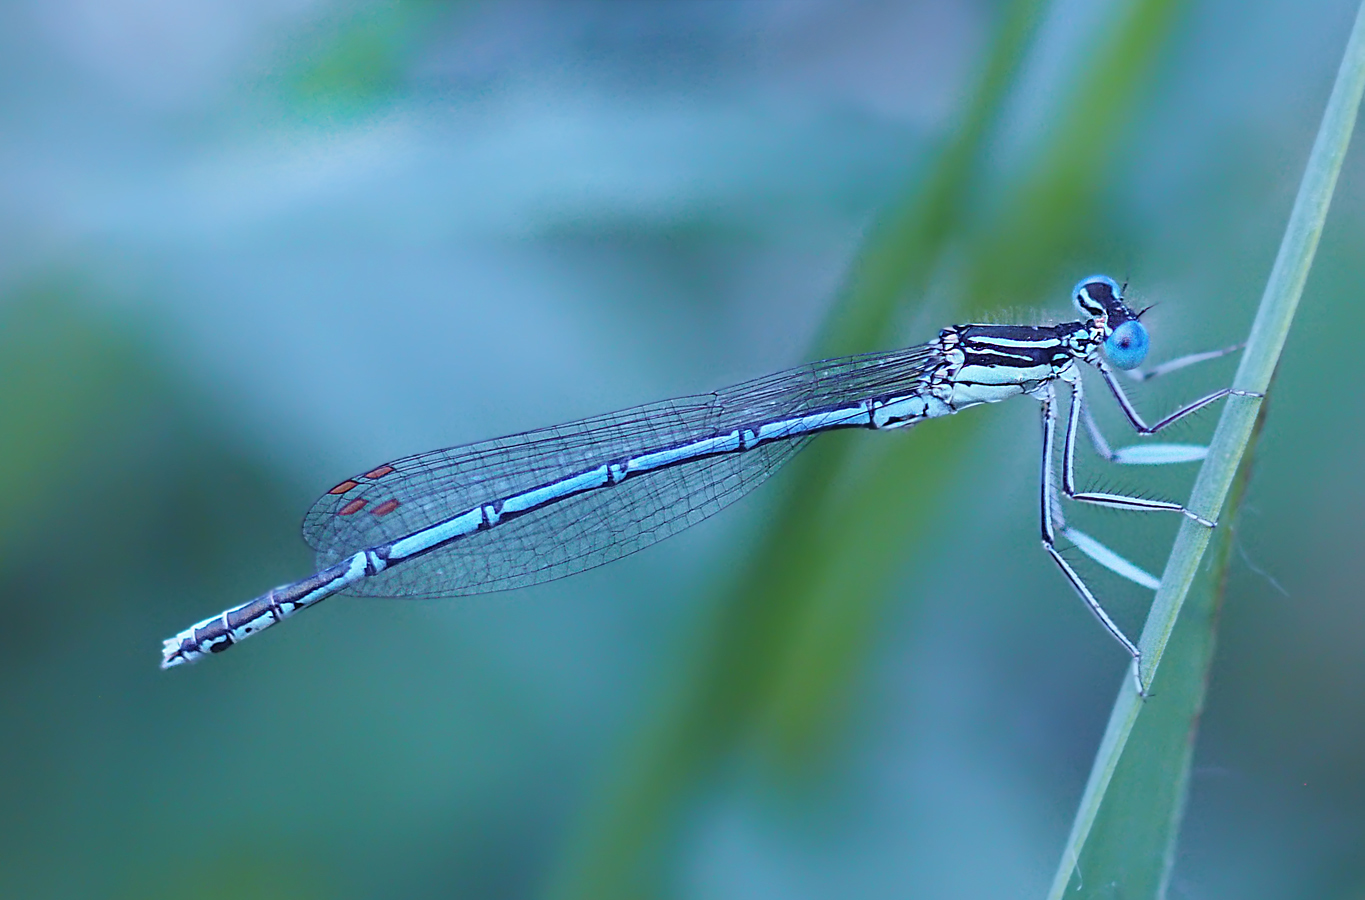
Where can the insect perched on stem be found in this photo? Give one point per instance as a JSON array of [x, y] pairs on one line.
[[544, 504]]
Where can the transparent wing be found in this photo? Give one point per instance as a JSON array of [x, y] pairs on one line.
[[598, 526]]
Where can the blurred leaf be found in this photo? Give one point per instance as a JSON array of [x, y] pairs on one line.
[[122, 508], [843, 602], [902, 254], [65, 382], [361, 63], [791, 635], [1050, 216]]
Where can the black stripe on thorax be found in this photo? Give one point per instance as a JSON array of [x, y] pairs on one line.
[[1016, 346]]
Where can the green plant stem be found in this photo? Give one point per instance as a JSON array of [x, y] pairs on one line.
[[1235, 427], [620, 848]]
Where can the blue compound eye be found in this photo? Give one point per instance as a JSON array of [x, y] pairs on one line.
[[1126, 347]]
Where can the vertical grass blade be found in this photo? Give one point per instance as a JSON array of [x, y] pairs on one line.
[[856, 560], [1113, 787], [618, 851], [791, 631]]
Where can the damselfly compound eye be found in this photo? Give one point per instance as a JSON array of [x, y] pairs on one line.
[[1126, 347]]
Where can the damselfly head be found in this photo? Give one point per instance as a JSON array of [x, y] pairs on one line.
[[1100, 297]]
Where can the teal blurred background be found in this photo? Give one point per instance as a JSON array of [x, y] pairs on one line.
[[248, 249]]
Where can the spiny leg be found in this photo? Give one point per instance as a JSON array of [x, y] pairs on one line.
[[1180, 362], [1136, 419], [1050, 539], [1155, 454], [1084, 542], [1099, 498]]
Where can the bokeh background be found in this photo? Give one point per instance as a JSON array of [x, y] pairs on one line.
[[250, 248]]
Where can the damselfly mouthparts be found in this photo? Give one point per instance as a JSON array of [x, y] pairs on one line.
[[533, 507]]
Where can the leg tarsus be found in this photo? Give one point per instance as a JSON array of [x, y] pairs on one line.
[[1135, 418], [1180, 362]]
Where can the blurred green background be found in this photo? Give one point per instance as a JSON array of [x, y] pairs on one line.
[[248, 249]]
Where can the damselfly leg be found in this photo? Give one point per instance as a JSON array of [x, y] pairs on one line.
[[1180, 362], [1155, 454], [1079, 416], [1051, 519], [1136, 419]]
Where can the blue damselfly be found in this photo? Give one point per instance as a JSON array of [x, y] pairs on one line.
[[544, 504]]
